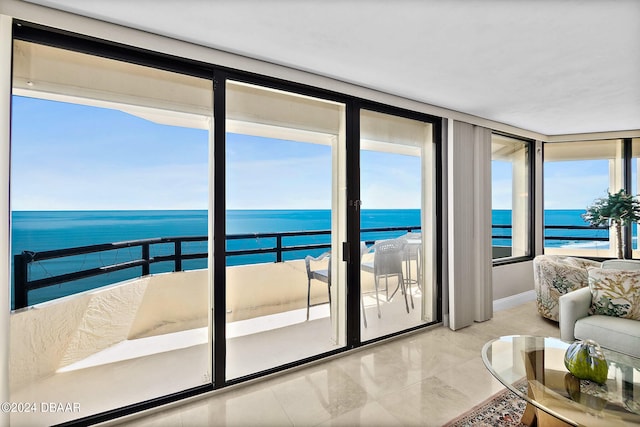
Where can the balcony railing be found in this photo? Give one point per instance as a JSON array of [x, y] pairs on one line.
[[576, 233], [274, 244], [555, 235], [23, 284], [582, 233]]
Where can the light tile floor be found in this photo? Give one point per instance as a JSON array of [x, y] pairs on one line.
[[423, 379]]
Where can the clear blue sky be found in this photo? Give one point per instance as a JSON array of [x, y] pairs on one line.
[[575, 184], [75, 157], [567, 184]]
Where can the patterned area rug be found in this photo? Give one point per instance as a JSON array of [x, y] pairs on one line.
[[502, 409]]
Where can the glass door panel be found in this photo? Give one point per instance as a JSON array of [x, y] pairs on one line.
[[284, 224], [109, 195], [397, 224]]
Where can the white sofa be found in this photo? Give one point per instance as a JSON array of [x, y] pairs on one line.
[[615, 333]]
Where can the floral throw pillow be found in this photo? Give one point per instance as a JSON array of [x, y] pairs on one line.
[[615, 293]]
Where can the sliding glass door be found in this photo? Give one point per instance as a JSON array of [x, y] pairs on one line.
[[397, 223], [184, 228], [110, 236], [285, 286]]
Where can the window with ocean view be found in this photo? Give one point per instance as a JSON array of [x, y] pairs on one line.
[[285, 282], [511, 196], [110, 230], [575, 175]]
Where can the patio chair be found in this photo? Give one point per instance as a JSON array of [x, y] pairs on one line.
[[368, 266], [323, 275], [388, 256], [363, 250], [412, 253]]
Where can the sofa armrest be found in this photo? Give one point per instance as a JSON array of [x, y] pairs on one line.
[[573, 306]]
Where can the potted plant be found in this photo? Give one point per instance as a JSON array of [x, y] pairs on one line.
[[618, 209]]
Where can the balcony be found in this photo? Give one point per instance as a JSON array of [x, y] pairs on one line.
[[148, 336]]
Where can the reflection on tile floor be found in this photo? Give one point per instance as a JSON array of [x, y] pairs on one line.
[[423, 379]]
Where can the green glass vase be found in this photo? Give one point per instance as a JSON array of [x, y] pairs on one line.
[[585, 360]]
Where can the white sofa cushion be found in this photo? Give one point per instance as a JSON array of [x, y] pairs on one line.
[[622, 335]]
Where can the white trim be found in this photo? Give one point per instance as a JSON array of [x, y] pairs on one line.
[[596, 136], [514, 300]]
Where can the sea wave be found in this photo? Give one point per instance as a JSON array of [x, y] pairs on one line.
[[586, 245]]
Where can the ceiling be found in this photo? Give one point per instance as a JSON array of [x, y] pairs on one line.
[[550, 66]]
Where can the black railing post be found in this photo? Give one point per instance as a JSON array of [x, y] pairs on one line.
[[20, 272], [279, 248], [178, 253], [145, 257]]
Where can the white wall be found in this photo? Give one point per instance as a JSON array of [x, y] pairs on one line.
[[512, 279]]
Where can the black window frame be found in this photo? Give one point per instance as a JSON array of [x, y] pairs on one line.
[[531, 164]]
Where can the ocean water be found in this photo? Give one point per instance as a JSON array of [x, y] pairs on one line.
[[39, 231], [568, 217]]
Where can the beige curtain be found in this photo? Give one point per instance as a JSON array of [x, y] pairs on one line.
[[469, 256]]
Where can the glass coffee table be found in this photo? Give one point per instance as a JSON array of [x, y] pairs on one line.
[[554, 396]]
